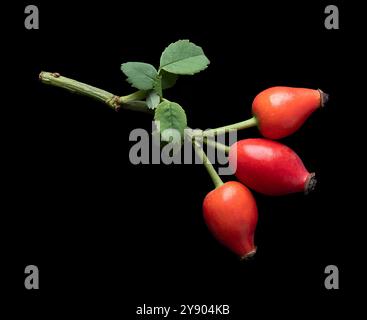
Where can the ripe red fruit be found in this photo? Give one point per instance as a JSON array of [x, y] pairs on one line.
[[270, 167], [230, 213], [280, 111]]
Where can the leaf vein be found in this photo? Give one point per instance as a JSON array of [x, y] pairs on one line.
[[175, 61]]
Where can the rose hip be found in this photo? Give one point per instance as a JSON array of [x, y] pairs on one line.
[[270, 167], [230, 213], [280, 111]]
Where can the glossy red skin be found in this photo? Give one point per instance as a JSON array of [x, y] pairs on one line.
[[280, 111], [230, 213], [268, 167]]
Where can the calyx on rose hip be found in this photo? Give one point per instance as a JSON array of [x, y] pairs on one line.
[[263, 165]]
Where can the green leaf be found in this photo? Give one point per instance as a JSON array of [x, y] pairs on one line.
[[168, 79], [171, 116], [140, 75], [158, 85], [183, 57], [153, 100]]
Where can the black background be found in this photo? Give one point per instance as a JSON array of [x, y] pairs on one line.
[[109, 236]]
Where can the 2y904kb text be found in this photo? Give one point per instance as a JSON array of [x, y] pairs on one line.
[[184, 309]]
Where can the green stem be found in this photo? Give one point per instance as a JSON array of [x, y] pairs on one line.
[[139, 106], [135, 96], [217, 145], [115, 102], [209, 167], [252, 122]]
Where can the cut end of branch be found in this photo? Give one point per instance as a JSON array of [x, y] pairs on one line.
[[46, 76]]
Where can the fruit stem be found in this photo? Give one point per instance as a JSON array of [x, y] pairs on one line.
[[252, 122], [209, 167], [129, 102], [217, 145]]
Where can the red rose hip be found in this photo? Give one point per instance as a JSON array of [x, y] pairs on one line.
[[230, 213], [280, 111], [270, 167]]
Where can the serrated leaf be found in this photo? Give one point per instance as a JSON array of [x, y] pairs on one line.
[[183, 57], [140, 75], [171, 116], [153, 100], [168, 79]]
